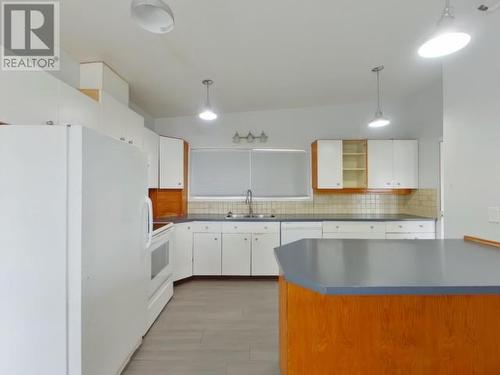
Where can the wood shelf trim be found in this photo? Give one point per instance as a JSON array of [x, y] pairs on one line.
[[482, 241], [93, 94], [364, 191]]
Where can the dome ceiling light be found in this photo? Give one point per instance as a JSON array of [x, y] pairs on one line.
[[153, 15], [447, 39], [379, 120]]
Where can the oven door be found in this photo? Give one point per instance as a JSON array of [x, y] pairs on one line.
[[160, 261]]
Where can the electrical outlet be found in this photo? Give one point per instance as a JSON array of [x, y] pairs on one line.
[[494, 215]]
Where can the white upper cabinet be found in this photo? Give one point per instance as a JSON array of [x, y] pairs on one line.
[[405, 164], [330, 164], [99, 76], [393, 164], [76, 108], [135, 129], [151, 146], [28, 98], [380, 166], [120, 122], [171, 163]]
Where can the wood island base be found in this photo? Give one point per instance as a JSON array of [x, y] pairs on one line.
[[387, 334]]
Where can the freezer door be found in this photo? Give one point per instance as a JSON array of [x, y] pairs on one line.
[[114, 237], [33, 194]]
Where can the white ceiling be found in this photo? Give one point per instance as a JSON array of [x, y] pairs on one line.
[[262, 54]]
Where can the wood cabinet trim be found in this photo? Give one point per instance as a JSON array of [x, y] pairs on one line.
[[482, 241]]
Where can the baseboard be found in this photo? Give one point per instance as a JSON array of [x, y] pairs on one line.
[[227, 278]]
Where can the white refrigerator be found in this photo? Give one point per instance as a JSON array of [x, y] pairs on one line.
[[74, 227]]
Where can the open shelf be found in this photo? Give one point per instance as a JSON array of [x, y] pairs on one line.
[[354, 164]]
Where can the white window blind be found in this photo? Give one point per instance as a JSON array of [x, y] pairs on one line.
[[219, 173], [280, 174], [227, 173]]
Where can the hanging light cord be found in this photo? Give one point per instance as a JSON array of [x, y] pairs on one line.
[[378, 90], [208, 95]]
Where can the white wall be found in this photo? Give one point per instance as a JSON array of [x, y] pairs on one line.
[[471, 83], [416, 117]]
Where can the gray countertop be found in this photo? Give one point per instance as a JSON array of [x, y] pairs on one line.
[[296, 217], [391, 267]]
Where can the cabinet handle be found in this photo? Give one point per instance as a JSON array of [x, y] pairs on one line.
[[421, 226], [122, 138], [338, 183], [246, 239], [400, 226], [49, 122], [371, 227], [235, 227], [399, 183], [130, 142], [215, 239], [206, 227], [265, 227], [256, 239], [179, 183], [387, 183], [189, 228], [337, 227]]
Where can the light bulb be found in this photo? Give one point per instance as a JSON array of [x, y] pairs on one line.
[[444, 44], [208, 115]]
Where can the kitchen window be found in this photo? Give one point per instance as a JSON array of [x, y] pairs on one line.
[[270, 173]]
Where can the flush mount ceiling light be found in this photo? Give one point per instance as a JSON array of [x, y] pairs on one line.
[[379, 120], [208, 114], [446, 39], [153, 15]]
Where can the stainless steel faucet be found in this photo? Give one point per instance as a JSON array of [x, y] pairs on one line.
[[249, 201]]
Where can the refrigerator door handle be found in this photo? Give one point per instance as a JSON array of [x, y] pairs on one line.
[[150, 222]]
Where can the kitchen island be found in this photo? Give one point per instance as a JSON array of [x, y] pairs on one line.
[[389, 307]]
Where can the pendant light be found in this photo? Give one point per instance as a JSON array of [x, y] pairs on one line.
[[208, 114], [446, 39], [153, 15], [379, 120]]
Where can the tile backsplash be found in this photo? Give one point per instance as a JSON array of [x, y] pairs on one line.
[[422, 202]]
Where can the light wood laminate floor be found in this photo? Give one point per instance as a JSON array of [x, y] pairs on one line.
[[213, 328]]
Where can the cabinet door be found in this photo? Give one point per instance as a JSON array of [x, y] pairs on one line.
[[183, 251], [114, 117], [171, 163], [28, 98], [329, 164], [405, 156], [236, 254], [135, 128], [380, 168], [263, 260], [207, 254], [151, 146], [76, 108]]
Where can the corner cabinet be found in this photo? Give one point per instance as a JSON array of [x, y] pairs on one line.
[[171, 163], [393, 164]]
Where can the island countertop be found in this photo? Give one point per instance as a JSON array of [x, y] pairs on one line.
[[391, 267]]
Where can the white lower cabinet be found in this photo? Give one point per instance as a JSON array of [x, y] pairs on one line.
[[353, 230], [183, 251], [236, 254], [411, 230], [263, 260], [207, 254]]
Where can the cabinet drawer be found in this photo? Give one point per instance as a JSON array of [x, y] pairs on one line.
[[207, 227], [411, 236], [365, 236], [246, 227], [353, 227], [411, 227]]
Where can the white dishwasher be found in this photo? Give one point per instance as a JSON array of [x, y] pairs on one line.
[[295, 231]]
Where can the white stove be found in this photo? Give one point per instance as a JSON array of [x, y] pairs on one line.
[[160, 270]]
